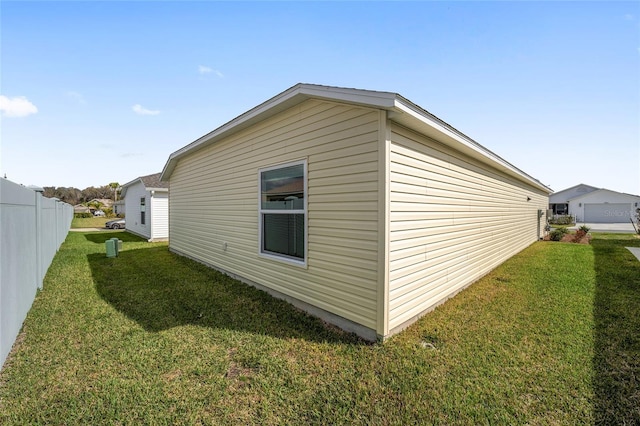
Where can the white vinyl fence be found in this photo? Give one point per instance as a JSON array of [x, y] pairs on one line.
[[32, 228]]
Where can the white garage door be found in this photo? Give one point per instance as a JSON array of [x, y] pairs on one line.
[[607, 213]]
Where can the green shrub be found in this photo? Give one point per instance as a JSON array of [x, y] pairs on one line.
[[584, 229], [82, 215], [561, 220], [558, 233]]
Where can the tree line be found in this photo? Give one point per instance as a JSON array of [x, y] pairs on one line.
[[75, 196]]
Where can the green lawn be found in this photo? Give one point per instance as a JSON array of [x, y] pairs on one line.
[[89, 222], [550, 337]]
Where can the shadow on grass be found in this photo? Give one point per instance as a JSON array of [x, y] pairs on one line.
[[159, 290], [617, 332], [101, 236]]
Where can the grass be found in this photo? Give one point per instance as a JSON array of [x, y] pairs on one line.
[[565, 225], [89, 222], [617, 330], [550, 337]]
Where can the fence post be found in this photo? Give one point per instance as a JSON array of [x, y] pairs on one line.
[[39, 276], [57, 225]]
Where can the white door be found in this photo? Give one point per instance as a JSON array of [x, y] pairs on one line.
[[607, 213]]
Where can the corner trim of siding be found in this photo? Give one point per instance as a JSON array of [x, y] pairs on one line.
[[384, 214]]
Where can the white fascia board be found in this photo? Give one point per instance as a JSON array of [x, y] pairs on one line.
[[366, 98], [411, 115]]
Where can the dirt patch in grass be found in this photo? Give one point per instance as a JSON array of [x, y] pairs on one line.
[[577, 237], [237, 370]]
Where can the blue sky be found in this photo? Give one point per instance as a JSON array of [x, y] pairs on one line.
[[97, 92]]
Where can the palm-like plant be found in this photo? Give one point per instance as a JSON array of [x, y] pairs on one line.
[[96, 205], [115, 187]]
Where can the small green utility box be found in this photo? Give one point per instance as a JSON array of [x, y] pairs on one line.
[[113, 246], [118, 244]]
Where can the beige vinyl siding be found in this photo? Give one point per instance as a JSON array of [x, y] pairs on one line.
[[452, 220], [214, 200]]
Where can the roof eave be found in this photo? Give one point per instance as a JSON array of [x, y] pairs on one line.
[[573, 187], [414, 117], [287, 99], [588, 194], [401, 110]]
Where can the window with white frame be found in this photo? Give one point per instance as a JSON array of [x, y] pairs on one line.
[[143, 210], [283, 211]]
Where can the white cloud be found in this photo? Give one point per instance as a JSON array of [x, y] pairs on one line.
[[138, 109], [203, 70], [76, 97], [16, 107]]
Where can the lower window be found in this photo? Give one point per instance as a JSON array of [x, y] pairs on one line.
[[283, 234], [283, 213]]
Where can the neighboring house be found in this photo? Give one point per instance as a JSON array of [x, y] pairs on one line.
[[357, 206], [559, 201], [79, 208], [595, 205], [118, 207], [146, 207], [604, 206], [105, 202]]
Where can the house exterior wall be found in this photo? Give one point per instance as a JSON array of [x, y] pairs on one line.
[[569, 193], [159, 215], [132, 208], [213, 206], [118, 207], [452, 220], [577, 205]]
